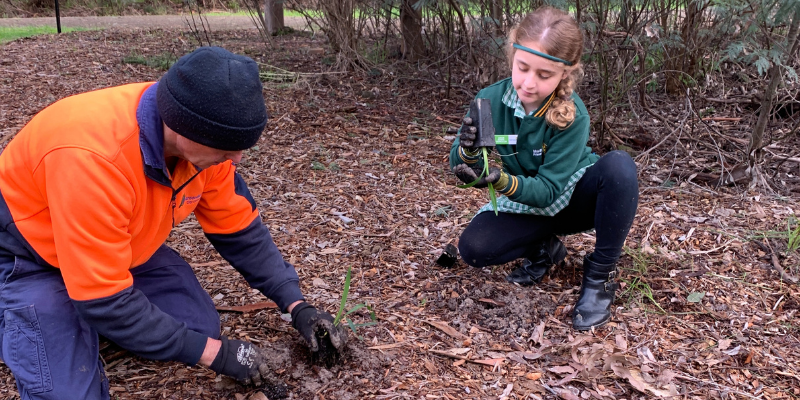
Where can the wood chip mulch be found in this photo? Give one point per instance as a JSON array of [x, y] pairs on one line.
[[353, 173]]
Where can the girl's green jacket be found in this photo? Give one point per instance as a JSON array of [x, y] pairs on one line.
[[542, 163]]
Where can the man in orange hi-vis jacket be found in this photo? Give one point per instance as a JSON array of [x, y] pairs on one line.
[[89, 191]]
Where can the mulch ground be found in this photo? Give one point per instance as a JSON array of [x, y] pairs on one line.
[[353, 173]]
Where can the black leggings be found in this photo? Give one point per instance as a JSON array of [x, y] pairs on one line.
[[604, 199]]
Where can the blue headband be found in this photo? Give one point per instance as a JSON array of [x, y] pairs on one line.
[[540, 54]]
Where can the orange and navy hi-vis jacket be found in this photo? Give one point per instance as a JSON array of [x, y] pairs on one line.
[[84, 188]]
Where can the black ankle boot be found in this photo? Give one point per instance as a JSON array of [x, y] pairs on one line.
[[593, 308], [532, 270]]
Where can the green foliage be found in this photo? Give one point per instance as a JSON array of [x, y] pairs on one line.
[[120, 7], [485, 172], [8, 34], [342, 313], [793, 240], [758, 30], [636, 287], [791, 234], [376, 54], [443, 211], [232, 5], [708, 111]]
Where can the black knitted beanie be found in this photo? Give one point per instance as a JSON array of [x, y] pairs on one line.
[[213, 97]]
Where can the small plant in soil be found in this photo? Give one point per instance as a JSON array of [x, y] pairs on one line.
[[636, 286], [342, 313], [492, 195], [327, 354], [793, 241]]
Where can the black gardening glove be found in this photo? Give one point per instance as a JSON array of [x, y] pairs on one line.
[[467, 174], [467, 136], [312, 323], [246, 363]]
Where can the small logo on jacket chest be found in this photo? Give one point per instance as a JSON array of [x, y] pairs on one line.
[[540, 152], [189, 200]]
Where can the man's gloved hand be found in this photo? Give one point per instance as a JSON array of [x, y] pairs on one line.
[[246, 363], [467, 136], [309, 321], [467, 174]]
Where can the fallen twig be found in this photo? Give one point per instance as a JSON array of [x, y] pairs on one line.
[[494, 362], [733, 119], [776, 264], [730, 101], [370, 234], [710, 251]]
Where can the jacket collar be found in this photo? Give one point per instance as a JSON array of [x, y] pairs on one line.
[[151, 137], [511, 99]]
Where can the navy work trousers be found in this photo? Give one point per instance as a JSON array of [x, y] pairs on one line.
[[605, 199], [53, 353]]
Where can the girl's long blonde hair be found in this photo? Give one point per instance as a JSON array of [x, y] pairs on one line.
[[558, 35]]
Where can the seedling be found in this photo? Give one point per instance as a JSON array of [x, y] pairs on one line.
[[342, 313], [485, 172], [327, 354], [443, 211], [481, 113], [794, 235], [636, 285]]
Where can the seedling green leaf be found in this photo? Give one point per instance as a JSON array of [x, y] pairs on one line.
[[343, 312], [345, 291], [493, 198], [471, 184], [492, 194]]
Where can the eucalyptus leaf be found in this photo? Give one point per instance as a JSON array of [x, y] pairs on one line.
[[695, 297]]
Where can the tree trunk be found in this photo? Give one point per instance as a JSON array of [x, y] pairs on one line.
[[497, 17], [273, 16], [684, 57], [411, 30], [466, 32], [756, 143], [341, 31]]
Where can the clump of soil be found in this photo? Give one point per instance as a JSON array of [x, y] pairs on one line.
[[327, 355], [274, 392], [341, 375]]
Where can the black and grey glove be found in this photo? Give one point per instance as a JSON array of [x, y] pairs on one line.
[[311, 323], [467, 136], [467, 174], [246, 363]]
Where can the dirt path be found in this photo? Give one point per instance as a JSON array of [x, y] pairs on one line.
[[216, 22]]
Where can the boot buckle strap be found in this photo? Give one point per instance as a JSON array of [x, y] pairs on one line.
[[610, 286]]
